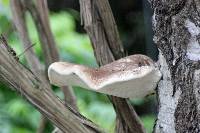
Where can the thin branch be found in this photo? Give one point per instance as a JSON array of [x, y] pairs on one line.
[[18, 12], [43, 11], [26, 49], [39, 13], [45, 34], [35, 91], [99, 23], [18, 15]]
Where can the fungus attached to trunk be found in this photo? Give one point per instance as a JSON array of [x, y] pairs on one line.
[[134, 76]]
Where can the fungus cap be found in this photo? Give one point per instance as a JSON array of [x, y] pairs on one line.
[[134, 76]]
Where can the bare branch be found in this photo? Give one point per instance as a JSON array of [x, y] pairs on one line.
[[40, 16], [18, 12], [36, 92], [99, 23], [45, 34], [18, 15]]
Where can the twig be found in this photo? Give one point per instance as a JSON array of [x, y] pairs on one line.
[[26, 49]]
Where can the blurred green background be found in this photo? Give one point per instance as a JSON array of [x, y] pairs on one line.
[[18, 116]]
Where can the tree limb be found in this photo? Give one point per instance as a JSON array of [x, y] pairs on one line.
[[35, 91], [18, 11]]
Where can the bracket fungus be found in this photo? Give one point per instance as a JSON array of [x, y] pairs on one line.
[[134, 76]]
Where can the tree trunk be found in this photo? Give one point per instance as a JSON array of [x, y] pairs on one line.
[[177, 26]]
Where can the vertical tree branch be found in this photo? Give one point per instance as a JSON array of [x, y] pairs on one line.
[[39, 13], [45, 34], [18, 12], [99, 23], [42, 7]]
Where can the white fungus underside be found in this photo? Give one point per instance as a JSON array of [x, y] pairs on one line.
[[131, 85]]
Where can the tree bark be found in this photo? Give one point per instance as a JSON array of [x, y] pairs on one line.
[[176, 24]]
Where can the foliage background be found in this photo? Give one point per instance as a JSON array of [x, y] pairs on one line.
[[18, 116]]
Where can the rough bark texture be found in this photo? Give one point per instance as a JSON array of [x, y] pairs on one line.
[[100, 25], [35, 91], [177, 35]]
